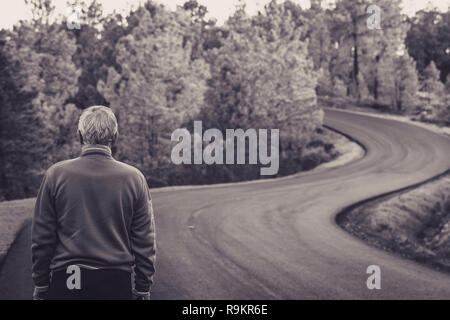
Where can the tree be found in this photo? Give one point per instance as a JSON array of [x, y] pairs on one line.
[[428, 40], [89, 57], [198, 12], [446, 115], [435, 89], [349, 26], [37, 126], [399, 83], [383, 44], [201, 31], [447, 90], [430, 81], [405, 82], [262, 78], [319, 43], [11, 105], [317, 22], [157, 86]]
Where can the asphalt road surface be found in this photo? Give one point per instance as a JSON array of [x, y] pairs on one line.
[[278, 239]]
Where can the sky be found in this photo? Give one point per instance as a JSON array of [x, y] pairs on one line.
[[11, 11]]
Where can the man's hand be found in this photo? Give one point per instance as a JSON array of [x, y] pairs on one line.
[[40, 293], [140, 295]]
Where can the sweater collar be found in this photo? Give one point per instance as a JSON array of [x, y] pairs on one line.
[[95, 149]]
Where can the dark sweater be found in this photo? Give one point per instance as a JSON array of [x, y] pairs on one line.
[[94, 211]]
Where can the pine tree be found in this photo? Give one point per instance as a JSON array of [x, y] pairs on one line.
[[319, 46], [446, 111], [349, 27], [447, 91], [435, 89], [405, 82], [383, 44], [399, 84], [38, 127], [262, 78], [430, 81], [157, 86]]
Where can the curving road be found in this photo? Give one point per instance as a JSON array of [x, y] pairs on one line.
[[278, 239]]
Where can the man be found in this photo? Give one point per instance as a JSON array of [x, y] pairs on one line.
[[93, 222]]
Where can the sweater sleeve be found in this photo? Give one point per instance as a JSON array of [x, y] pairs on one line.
[[143, 240], [43, 234]]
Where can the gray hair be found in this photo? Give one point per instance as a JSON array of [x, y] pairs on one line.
[[98, 125]]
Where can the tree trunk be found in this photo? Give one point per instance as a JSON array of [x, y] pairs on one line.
[[355, 58], [375, 81]]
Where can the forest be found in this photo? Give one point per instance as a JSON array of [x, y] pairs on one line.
[[161, 69]]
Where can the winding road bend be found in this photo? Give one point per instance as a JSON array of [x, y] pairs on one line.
[[278, 239]]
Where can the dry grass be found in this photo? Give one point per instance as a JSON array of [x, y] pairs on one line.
[[13, 214], [415, 223]]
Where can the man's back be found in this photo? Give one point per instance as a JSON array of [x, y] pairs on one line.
[[93, 213], [95, 199]]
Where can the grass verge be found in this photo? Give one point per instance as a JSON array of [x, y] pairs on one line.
[[414, 223], [13, 215]]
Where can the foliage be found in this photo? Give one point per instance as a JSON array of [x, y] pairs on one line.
[[262, 78], [400, 84], [157, 87], [429, 40], [40, 76], [159, 70]]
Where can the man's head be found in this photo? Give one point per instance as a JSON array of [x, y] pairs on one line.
[[98, 125]]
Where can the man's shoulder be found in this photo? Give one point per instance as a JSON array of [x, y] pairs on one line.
[[62, 168], [57, 167], [132, 174], [129, 169]]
